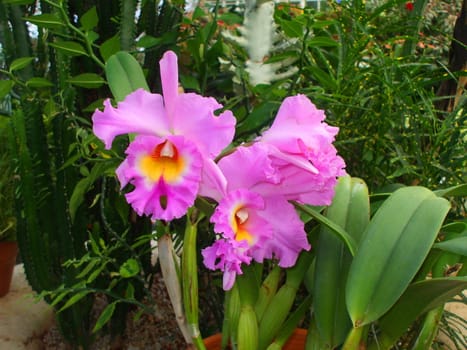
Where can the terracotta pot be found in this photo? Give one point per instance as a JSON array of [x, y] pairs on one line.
[[296, 341], [8, 253]]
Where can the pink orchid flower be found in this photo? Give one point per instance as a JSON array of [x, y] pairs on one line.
[[177, 134], [253, 225], [293, 160]]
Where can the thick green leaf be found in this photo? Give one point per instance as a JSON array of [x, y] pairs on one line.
[[350, 209], [419, 298], [20, 63], [105, 316], [87, 80], [393, 248], [70, 48], [46, 20], [124, 75], [90, 19], [5, 87], [109, 47], [456, 245], [38, 82], [129, 268]]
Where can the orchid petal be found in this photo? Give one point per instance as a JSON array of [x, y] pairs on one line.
[[140, 112], [194, 117], [167, 197], [169, 78]]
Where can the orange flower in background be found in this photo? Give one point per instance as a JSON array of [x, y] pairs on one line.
[[409, 6]]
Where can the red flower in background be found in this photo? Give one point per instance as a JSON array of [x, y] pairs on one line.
[[409, 5]]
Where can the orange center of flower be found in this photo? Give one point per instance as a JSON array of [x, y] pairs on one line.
[[239, 220], [164, 161]]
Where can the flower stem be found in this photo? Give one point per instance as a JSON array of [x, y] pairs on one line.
[[190, 278]]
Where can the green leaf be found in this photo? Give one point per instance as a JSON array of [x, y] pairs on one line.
[[109, 47], [148, 41], [454, 191], [292, 29], [38, 82], [89, 20], [85, 184], [105, 316], [20, 63], [129, 268], [70, 48], [18, 2], [456, 245], [350, 209], [87, 80], [74, 299], [5, 87], [46, 20], [124, 75], [393, 248], [322, 41], [419, 298], [335, 228]]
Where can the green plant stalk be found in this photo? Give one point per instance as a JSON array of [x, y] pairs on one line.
[[267, 291], [248, 290], [247, 336], [282, 302], [190, 278], [290, 325], [429, 329], [127, 24], [354, 339], [231, 316]]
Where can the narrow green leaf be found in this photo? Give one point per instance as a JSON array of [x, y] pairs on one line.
[[335, 228], [46, 20], [87, 80], [5, 87], [74, 299], [18, 2], [394, 246], [454, 191], [124, 75], [322, 41], [105, 316], [38, 82], [70, 48], [456, 245], [89, 19], [129, 268], [20, 63], [419, 298]]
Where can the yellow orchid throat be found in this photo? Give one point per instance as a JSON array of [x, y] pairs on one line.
[[164, 162], [238, 223]]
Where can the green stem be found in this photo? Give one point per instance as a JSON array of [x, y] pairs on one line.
[[354, 339], [80, 33], [190, 277]]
